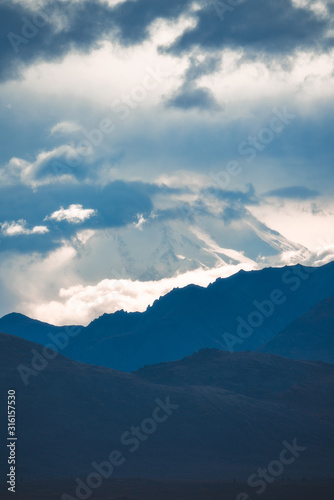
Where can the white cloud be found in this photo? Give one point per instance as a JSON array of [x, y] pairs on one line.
[[66, 296], [84, 236], [112, 3], [20, 227], [18, 170], [102, 75], [81, 304], [73, 214], [141, 221], [314, 258], [305, 222], [65, 128], [39, 230], [302, 85], [319, 7]]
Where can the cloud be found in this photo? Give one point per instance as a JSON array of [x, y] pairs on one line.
[[199, 67], [62, 162], [81, 304], [49, 32], [73, 214], [65, 128], [191, 98], [318, 257], [293, 192], [133, 19], [261, 28], [20, 227], [264, 54], [141, 221], [242, 197], [115, 205]]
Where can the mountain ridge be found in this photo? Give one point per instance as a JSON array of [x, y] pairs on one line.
[[187, 319]]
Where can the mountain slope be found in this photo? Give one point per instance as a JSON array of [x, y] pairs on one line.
[[263, 377], [71, 414], [238, 313], [309, 337]]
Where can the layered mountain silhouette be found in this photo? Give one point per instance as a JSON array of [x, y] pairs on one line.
[[227, 415], [309, 337], [242, 312]]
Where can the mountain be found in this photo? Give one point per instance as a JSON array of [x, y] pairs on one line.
[[213, 415], [309, 337], [262, 377], [238, 313], [157, 248], [30, 329]]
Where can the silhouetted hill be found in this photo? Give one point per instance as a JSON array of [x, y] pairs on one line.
[[238, 313], [252, 374], [309, 337], [70, 415], [27, 328]]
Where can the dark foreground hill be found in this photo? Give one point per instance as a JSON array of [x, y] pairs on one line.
[[142, 489], [262, 377], [211, 416], [309, 337], [238, 313]]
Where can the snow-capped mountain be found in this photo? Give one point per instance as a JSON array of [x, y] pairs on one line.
[[153, 250]]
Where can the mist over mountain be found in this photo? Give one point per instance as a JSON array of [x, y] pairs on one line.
[[238, 313], [155, 248]]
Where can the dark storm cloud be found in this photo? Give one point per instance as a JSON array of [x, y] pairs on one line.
[[191, 98], [260, 26], [117, 204], [133, 18], [188, 96], [28, 35], [294, 192], [198, 68]]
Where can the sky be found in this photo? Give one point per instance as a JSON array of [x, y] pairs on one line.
[[118, 116]]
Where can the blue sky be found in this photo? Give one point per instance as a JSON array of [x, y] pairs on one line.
[[114, 113]]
